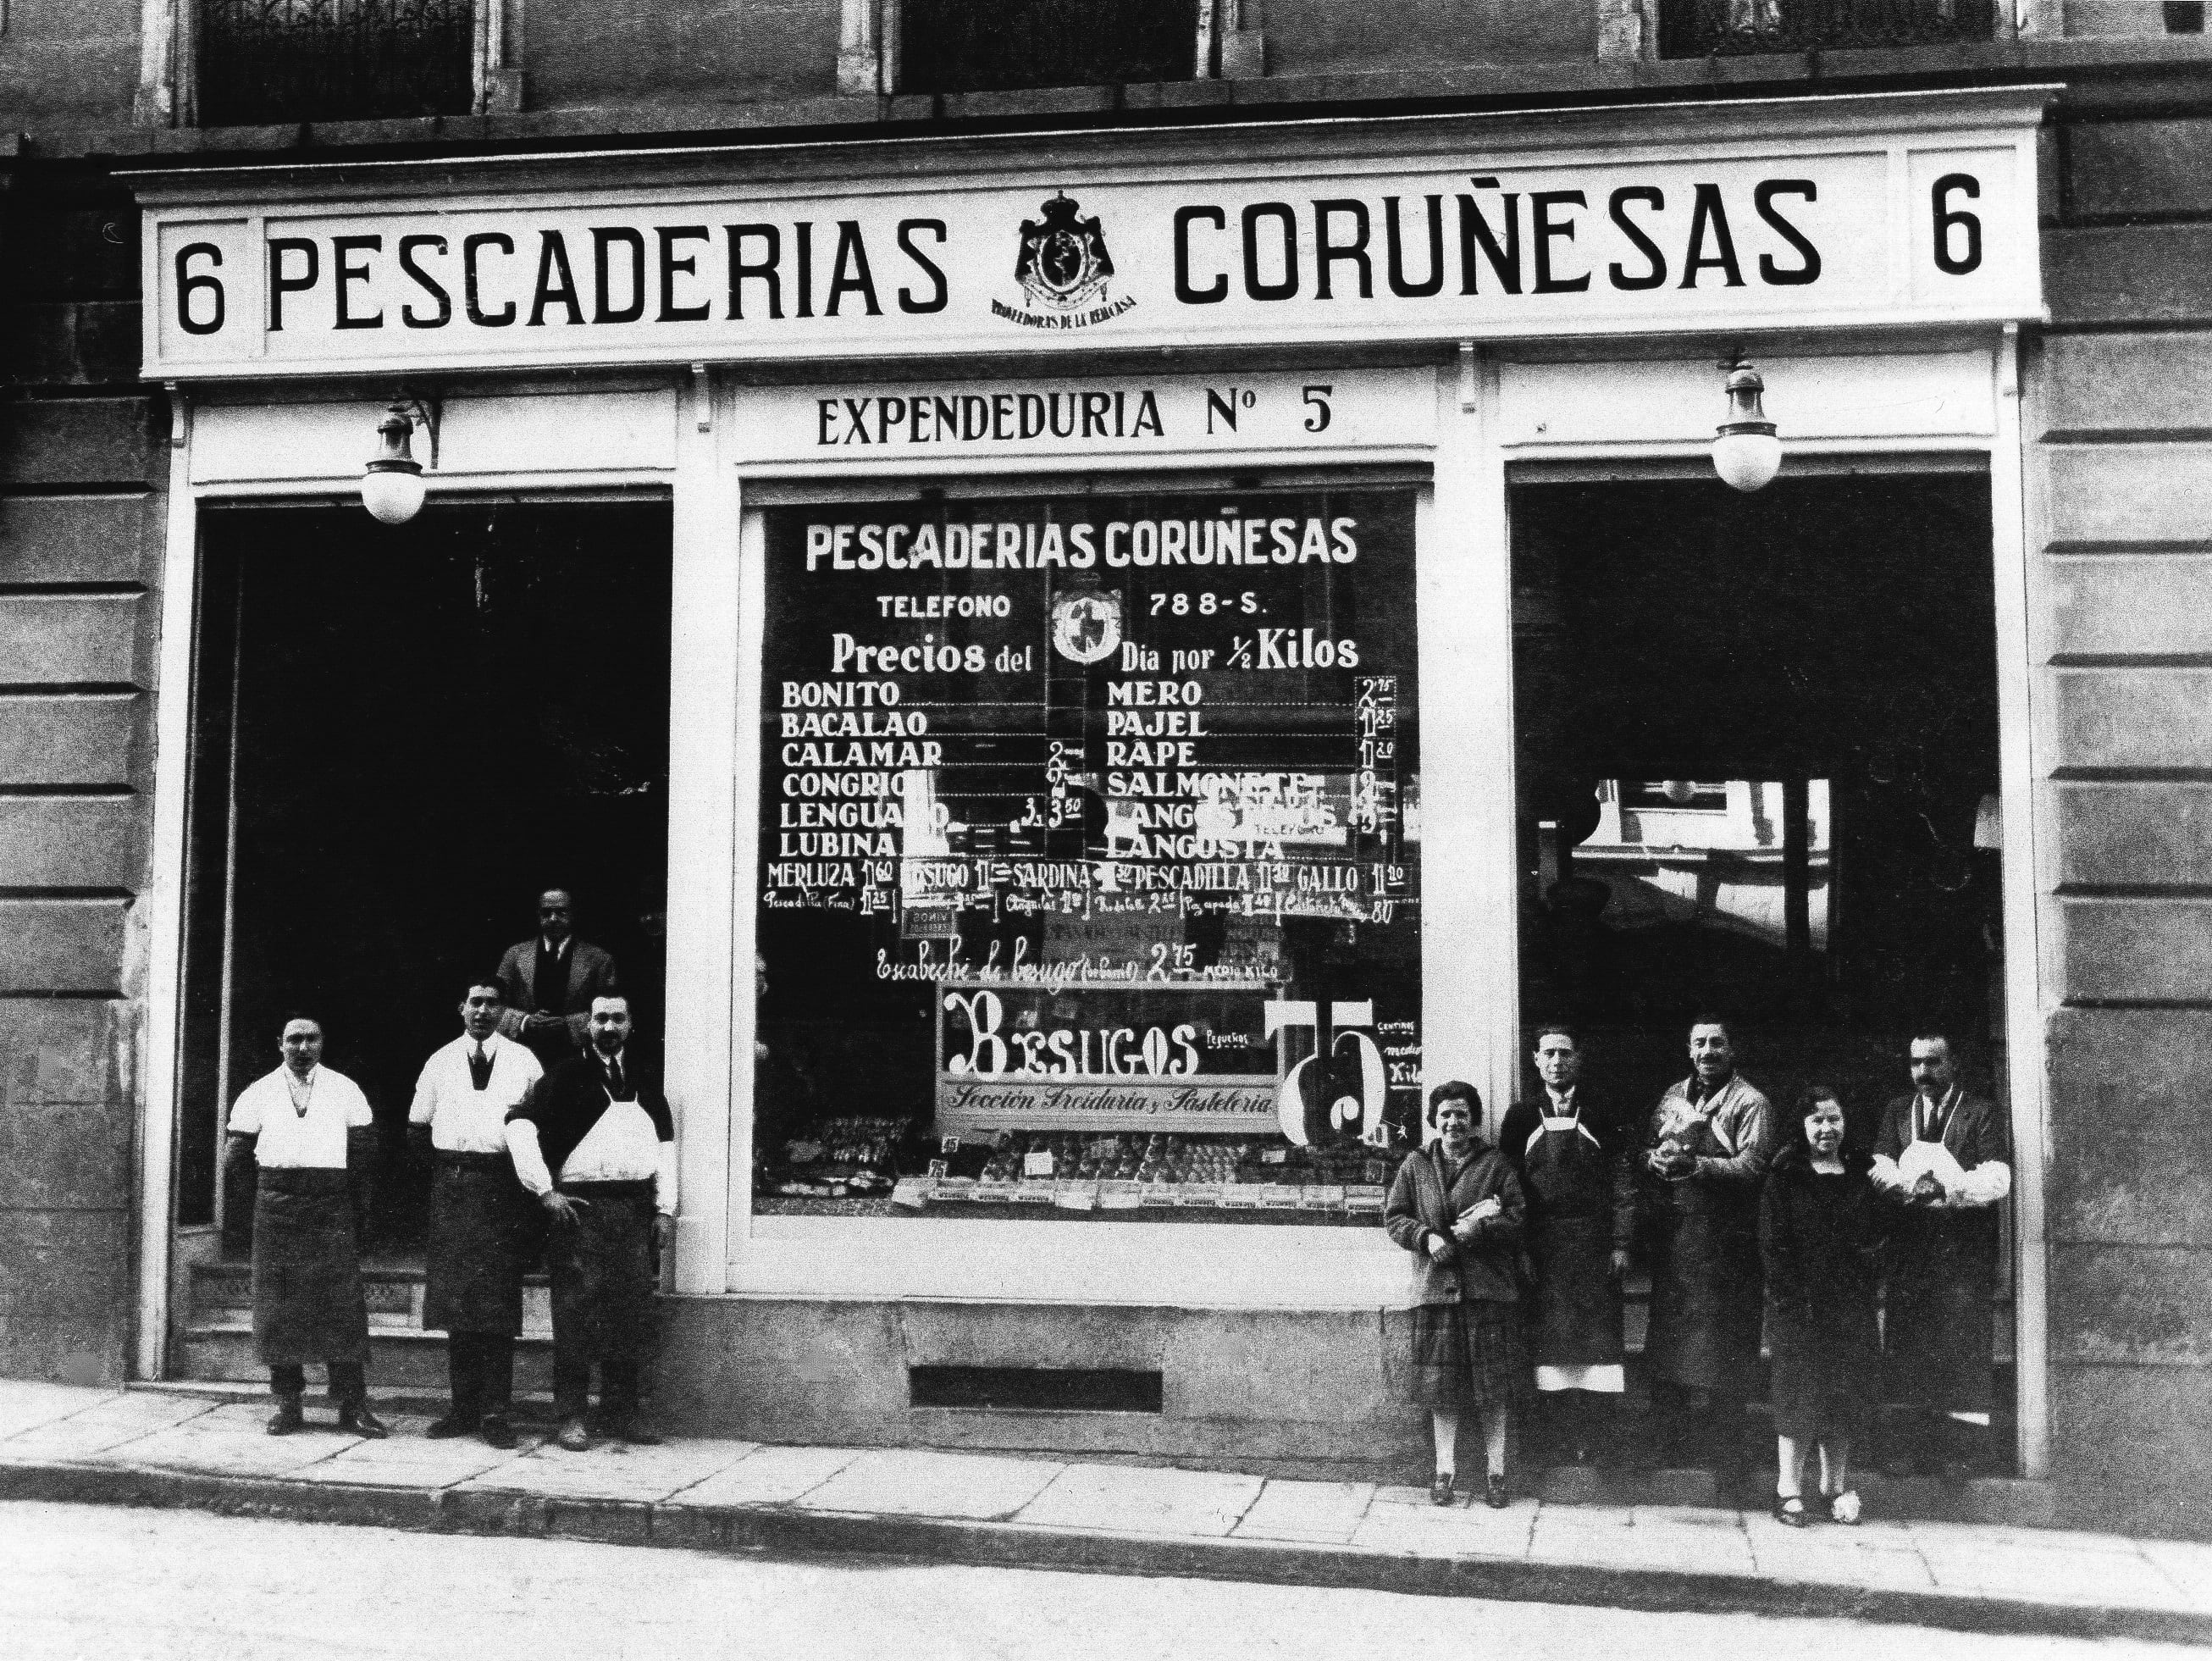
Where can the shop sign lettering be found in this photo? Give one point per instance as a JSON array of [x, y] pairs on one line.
[[1862, 229]]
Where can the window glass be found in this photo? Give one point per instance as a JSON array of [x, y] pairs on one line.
[[1088, 857]]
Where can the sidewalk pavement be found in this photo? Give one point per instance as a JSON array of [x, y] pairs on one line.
[[160, 1447]]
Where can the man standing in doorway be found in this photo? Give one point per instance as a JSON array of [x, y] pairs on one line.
[[303, 1125], [1707, 1150], [594, 1141], [480, 1225], [1943, 1155], [548, 984], [1568, 1152]]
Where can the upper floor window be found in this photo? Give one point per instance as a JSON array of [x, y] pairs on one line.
[[267, 61], [997, 45], [1695, 28]]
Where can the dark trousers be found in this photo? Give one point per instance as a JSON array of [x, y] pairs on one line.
[[481, 1366], [572, 1381], [349, 1383]]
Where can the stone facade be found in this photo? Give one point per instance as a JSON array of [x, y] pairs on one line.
[[2117, 394]]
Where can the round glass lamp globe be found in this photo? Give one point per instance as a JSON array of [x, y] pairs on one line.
[[1747, 461], [391, 496]]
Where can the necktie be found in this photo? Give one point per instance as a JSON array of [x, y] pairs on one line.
[[479, 1068], [615, 1086]]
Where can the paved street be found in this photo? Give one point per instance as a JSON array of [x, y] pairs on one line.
[[174, 1449], [117, 1585]]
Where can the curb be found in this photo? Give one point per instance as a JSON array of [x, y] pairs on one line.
[[786, 1531]]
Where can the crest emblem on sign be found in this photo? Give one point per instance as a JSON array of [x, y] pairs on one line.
[[1063, 264], [1086, 626]]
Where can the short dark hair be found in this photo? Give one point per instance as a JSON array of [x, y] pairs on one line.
[[1817, 1092], [1455, 1090], [1707, 1017], [307, 1015], [623, 998], [1925, 1034], [491, 981], [1553, 1028]]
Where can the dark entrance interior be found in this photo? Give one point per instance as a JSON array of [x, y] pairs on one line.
[[400, 736], [1758, 775]]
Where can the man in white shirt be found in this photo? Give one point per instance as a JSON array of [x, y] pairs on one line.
[[594, 1141], [1942, 1155], [480, 1223], [299, 1124]]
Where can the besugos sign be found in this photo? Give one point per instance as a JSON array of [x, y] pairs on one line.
[[1836, 228]]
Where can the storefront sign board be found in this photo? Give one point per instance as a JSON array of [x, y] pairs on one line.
[[1500, 237]]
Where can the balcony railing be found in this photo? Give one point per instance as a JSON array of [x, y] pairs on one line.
[[999, 46], [268, 61], [1699, 28]]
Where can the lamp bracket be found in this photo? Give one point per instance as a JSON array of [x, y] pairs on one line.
[[428, 413]]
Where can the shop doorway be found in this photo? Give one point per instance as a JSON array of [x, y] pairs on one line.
[[399, 737], [1758, 775]]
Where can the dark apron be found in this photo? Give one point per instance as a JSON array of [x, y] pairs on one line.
[[1577, 1308], [1706, 1304], [1937, 1319], [602, 1271], [308, 1304], [479, 1228]]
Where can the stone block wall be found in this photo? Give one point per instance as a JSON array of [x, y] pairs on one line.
[[1301, 1393], [82, 459], [2119, 425]]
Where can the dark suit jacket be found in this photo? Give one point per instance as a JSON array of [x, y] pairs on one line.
[[1951, 1240], [591, 974], [567, 1101]]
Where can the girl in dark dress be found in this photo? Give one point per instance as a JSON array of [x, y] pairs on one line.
[[1821, 1235], [1456, 1207]]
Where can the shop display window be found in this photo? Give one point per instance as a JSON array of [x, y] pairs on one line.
[[1089, 878]]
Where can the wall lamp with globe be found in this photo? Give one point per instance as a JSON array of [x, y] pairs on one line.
[[1745, 452], [391, 485]]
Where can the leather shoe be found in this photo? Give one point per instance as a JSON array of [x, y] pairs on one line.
[[574, 1436], [497, 1432], [286, 1418], [452, 1425], [360, 1421], [1440, 1491], [1493, 1492]]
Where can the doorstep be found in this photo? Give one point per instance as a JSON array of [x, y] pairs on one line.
[[169, 1447]]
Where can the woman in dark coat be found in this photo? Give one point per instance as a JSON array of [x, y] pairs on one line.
[[1456, 1206], [1821, 1235]]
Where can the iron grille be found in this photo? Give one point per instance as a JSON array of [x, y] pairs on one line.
[[1698, 28], [997, 45], [268, 61]]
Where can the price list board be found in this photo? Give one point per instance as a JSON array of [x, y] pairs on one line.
[[1091, 744]]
